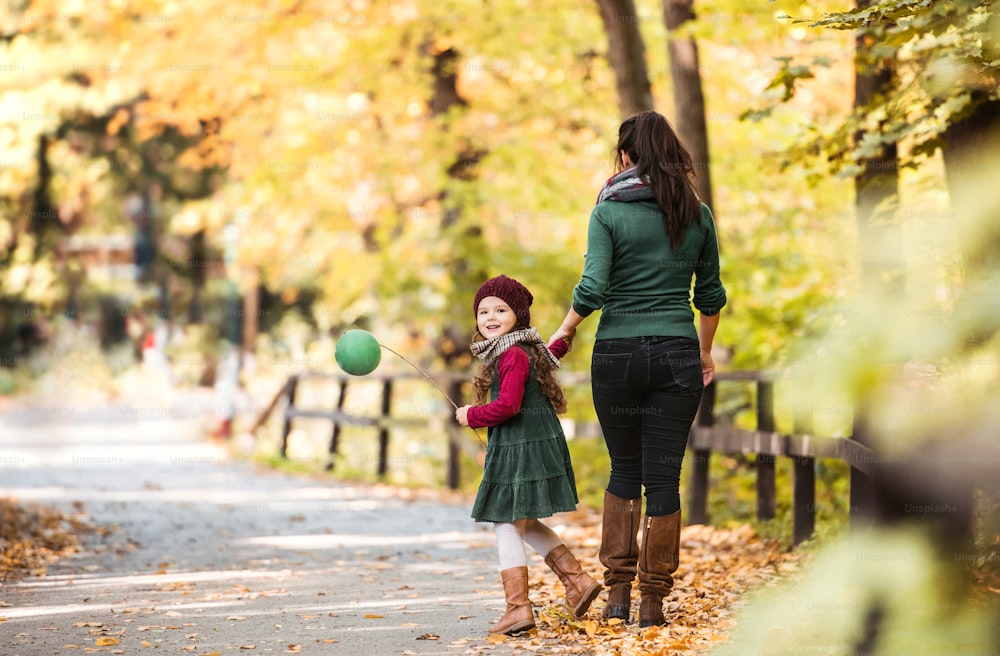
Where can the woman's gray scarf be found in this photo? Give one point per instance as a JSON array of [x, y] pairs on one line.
[[625, 187], [490, 350]]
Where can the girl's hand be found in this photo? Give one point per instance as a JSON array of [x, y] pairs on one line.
[[462, 415], [707, 367]]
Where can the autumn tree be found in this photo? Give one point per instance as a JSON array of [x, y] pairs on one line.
[[689, 99], [626, 55], [926, 97]]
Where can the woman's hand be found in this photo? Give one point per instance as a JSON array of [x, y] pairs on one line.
[[565, 335], [462, 415], [707, 367]]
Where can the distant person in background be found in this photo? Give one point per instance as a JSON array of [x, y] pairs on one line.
[[528, 474], [648, 236]]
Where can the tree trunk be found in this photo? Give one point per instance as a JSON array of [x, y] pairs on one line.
[[452, 343], [44, 216], [199, 254], [876, 189], [251, 309], [971, 155], [627, 56], [689, 100]]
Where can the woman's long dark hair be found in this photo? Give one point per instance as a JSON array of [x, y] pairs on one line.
[[661, 158]]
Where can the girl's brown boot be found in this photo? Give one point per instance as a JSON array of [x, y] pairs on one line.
[[518, 616], [581, 589]]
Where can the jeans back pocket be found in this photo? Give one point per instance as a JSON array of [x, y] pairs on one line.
[[685, 366], [609, 371]]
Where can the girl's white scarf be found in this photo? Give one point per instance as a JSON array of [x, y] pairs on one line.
[[490, 350]]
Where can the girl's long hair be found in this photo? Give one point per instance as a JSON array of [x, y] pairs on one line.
[[544, 373], [661, 158]]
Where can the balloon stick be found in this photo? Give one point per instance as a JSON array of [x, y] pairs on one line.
[[432, 382]]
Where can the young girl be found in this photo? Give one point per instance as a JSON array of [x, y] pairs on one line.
[[528, 474]]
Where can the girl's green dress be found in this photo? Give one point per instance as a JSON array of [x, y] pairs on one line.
[[528, 473]]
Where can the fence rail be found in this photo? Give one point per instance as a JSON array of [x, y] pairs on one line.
[[803, 448], [707, 437]]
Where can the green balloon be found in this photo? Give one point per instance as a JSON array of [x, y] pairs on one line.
[[358, 352]]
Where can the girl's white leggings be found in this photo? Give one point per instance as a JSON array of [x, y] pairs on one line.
[[512, 536]]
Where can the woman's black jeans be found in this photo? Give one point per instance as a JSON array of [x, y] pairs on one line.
[[646, 392]]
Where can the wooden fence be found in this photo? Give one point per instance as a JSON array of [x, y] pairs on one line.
[[384, 422], [707, 438]]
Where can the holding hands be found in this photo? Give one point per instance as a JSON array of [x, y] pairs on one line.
[[565, 335]]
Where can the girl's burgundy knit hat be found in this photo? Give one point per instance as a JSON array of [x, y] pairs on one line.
[[510, 292]]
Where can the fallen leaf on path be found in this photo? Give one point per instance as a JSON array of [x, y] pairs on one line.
[[428, 636], [496, 638], [373, 616], [236, 618], [294, 649], [248, 646], [33, 534], [146, 643], [106, 642]]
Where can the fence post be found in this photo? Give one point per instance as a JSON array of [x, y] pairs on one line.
[[335, 437], [862, 489], [698, 497], [290, 388], [765, 462], [383, 433], [454, 474], [804, 486]]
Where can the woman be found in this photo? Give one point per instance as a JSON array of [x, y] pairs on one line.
[[648, 235]]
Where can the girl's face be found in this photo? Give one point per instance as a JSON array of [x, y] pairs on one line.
[[494, 317]]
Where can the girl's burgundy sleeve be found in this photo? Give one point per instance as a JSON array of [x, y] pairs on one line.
[[558, 348], [513, 369]]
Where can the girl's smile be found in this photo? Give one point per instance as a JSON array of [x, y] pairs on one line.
[[494, 317]]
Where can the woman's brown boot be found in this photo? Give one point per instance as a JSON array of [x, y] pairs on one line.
[[581, 589], [658, 559], [518, 616], [619, 552]]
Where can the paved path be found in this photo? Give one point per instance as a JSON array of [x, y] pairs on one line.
[[215, 556]]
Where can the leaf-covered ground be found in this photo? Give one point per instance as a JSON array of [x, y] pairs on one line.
[[718, 566], [34, 535]]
